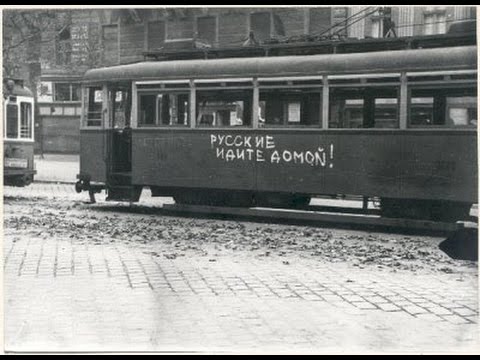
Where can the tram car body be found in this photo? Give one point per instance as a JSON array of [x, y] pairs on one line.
[[398, 126], [18, 134]]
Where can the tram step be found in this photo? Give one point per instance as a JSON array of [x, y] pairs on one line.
[[120, 179], [124, 193]]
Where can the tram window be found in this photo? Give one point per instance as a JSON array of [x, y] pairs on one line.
[[363, 108], [443, 107], [223, 108], [147, 110], [12, 121], [121, 108], [173, 108], [295, 107], [94, 106], [25, 120], [164, 109]]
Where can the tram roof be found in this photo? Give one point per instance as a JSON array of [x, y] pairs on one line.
[[16, 88], [437, 59]]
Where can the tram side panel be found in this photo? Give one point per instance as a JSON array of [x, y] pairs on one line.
[[316, 162], [396, 164], [93, 155], [439, 165], [188, 159]]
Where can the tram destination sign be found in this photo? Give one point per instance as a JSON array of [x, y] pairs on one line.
[[16, 163]]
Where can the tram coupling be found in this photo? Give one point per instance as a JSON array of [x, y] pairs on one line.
[[84, 184]]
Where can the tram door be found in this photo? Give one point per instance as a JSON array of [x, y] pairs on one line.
[[119, 141]]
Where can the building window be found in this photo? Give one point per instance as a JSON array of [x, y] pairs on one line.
[[382, 24], [377, 25], [260, 25], [110, 44], [435, 20], [66, 92], [63, 50], [169, 108], [179, 29], [156, 34], [339, 25], [207, 29]]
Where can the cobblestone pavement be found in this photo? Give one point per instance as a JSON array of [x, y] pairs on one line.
[[65, 294]]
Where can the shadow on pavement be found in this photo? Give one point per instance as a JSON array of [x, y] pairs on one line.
[[462, 244]]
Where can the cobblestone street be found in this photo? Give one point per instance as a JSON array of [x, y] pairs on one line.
[[98, 292]]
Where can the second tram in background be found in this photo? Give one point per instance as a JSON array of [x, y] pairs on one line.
[[18, 133], [397, 125]]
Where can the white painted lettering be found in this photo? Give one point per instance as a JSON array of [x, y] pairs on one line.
[[230, 155], [298, 157], [213, 140], [238, 141], [260, 157], [240, 154], [287, 156], [270, 143], [275, 158], [259, 141], [309, 158], [227, 141], [320, 158]]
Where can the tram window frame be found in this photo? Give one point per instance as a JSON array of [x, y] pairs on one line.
[[360, 92], [26, 116], [296, 110], [91, 97], [221, 92], [439, 93], [159, 113]]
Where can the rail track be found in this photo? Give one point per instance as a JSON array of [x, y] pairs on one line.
[[325, 215]]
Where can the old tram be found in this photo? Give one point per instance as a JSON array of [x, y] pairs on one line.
[[396, 125], [18, 133]]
